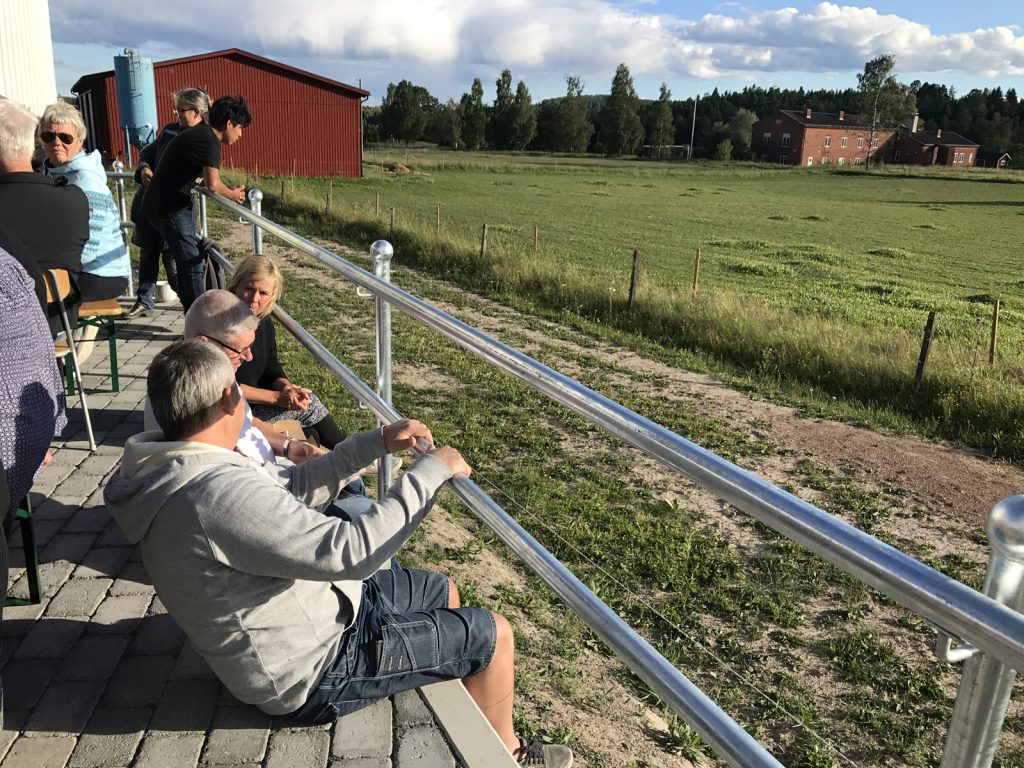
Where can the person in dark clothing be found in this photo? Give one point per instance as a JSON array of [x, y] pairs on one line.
[[191, 105], [258, 282], [47, 215], [193, 153]]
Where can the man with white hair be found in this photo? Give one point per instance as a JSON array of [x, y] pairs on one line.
[[48, 216]]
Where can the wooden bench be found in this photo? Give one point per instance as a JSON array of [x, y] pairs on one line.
[[100, 314]]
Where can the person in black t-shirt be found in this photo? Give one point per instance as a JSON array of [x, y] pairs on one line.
[[195, 152]]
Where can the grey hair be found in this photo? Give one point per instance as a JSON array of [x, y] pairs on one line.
[[62, 112], [194, 98], [185, 383], [220, 314], [17, 132]]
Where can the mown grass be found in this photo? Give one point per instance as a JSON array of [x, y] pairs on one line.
[[814, 287], [746, 620]]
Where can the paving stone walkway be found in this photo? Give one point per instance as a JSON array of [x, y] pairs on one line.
[[99, 676]]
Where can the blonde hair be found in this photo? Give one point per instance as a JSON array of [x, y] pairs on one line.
[[194, 98], [18, 129], [61, 112], [253, 268]]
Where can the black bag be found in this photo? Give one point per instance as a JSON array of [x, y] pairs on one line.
[[213, 274]]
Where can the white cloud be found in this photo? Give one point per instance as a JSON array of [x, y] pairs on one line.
[[580, 36]]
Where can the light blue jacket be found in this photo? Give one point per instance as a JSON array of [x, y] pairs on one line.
[[105, 253]]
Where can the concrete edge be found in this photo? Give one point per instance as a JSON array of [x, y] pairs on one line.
[[468, 731]]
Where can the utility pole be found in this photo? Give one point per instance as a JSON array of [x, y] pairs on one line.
[[693, 125]]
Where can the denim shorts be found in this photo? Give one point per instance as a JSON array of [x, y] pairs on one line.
[[404, 636]]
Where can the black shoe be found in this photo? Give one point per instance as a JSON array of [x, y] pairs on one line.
[[139, 310]]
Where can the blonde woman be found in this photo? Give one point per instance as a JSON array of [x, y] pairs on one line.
[[272, 396]]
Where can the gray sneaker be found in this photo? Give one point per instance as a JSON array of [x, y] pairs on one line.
[[543, 755]]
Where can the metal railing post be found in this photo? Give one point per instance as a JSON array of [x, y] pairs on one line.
[[122, 214], [986, 683], [256, 204], [382, 252], [202, 216]]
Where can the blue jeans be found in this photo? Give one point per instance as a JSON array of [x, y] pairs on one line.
[[404, 636], [179, 236]]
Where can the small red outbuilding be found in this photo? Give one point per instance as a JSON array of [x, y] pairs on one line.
[[303, 124]]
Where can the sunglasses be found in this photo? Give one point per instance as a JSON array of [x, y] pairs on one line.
[[48, 137]]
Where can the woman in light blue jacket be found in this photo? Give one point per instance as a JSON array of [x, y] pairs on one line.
[[105, 263]]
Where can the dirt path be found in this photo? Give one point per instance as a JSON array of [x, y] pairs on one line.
[[940, 495]]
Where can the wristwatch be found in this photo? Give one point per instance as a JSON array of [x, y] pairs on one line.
[[286, 446]]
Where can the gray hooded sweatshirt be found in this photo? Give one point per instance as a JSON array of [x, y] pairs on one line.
[[263, 584]]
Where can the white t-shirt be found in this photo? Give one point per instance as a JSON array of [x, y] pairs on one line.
[[251, 442]]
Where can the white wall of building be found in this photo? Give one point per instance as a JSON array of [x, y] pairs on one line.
[[26, 53]]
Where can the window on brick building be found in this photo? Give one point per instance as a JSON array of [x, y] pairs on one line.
[[842, 161], [766, 138], [860, 143], [828, 141], [844, 143], [874, 143], [785, 139], [810, 160]]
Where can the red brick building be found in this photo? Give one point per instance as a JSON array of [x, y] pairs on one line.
[[790, 137], [302, 123], [914, 147]]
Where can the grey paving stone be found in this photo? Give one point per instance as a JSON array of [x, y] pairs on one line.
[[78, 486], [112, 537], [52, 576], [72, 547], [239, 734], [410, 709], [51, 638], [366, 733], [133, 580], [186, 705], [102, 561], [8, 646], [90, 519], [156, 608], [137, 681], [19, 619], [14, 722], [39, 752], [100, 464], [423, 745], [94, 657], [65, 707], [165, 750], [157, 635], [78, 597], [110, 739], [119, 614], [45, 530], [51, 509], [308, 747], [364, 762], [191, 666]]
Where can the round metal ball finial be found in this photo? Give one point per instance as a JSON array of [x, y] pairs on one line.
[[255, 195], [382, 249], [1006, 527], [118, 166]]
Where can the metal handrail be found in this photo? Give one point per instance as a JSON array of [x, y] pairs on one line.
[[941, 600], [720, 731]]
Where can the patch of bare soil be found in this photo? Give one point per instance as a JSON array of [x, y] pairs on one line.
[[939, 498]]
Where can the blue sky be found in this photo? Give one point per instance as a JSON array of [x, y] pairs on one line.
[[444, 44]]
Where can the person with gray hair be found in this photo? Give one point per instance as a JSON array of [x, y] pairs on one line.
[[105, 263], [46, 216], [224, 321], [191, 106], [298, 613]]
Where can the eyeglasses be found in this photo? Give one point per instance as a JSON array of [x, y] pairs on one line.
[[179, 110], [49, 136], [228, 347]]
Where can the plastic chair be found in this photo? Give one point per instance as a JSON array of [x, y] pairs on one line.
[[58, 288]]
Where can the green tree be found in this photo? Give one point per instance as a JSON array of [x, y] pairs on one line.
[[448, 129], [474, 116], [501, 122], [724, 150], [573, 128], [524, 118], [621, 131], [882, 97], [740, 131], [406, 111], [660, 127]]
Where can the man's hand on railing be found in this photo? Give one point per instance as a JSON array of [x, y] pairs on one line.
[[236, 194], [453, 459], [405, 433]]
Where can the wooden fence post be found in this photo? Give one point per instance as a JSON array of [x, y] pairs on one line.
[[330, 195], [696, 271], [536, 240], [926, 346], [378, 205], [483, 242], [391, 237], [282, 188], [438, 219], [995, 334], [632, 277]]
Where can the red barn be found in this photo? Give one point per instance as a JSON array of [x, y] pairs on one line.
[[302, 123]]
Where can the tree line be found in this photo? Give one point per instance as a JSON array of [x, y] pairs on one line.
[[621, 123]]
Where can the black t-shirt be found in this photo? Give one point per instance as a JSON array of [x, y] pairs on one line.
[[264, 368], [182, 163]]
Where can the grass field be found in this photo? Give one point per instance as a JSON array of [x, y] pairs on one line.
[[814, 286]]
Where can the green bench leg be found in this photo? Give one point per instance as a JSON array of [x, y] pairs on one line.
[[28, 542]]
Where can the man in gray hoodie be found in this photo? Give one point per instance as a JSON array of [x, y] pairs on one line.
[[298, 612]]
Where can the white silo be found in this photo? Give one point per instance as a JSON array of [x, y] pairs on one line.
[[26, 53]]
